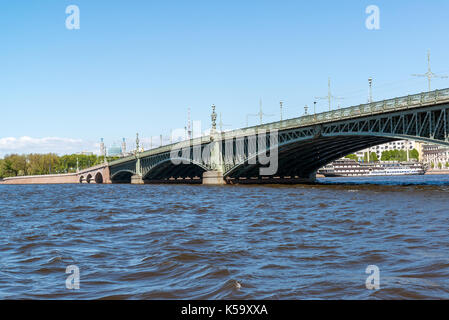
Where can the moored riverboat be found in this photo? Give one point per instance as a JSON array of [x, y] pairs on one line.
[[352, 168]]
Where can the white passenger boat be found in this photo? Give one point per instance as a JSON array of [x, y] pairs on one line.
[[352, 168]]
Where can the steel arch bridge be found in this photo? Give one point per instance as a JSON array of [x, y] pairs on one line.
[[301, 145], [157, 165]]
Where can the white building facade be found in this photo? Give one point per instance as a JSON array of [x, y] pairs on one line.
[[435, 156], [395, 145]]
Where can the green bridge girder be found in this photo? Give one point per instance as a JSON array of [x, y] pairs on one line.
[[304, 144]]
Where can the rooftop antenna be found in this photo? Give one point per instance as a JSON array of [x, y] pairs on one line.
[[329, 96], [429, 74]]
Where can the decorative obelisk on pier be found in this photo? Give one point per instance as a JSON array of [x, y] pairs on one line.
[[137, 178], [216, 175]]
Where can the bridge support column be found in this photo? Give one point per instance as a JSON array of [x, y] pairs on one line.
[[136, 179], [213, 178], [311, 178]]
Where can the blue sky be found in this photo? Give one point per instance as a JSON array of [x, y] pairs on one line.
[[136, 66]]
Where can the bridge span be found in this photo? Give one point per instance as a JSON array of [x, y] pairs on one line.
[[297, 147], [289, 151]]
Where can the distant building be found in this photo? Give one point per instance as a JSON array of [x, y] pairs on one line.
[[114, 151], [395, 145], [434, 155]]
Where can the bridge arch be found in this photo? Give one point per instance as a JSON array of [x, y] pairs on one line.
[[395, 137], [302, 157], [167, 169], [122, 176], [98, 178], [303, 150], [81, 179], [89, 178]]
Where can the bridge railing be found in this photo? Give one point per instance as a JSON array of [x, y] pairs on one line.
[[395, 104], [389, 105]]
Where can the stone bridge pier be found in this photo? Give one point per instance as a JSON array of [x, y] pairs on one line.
[[214, 175]]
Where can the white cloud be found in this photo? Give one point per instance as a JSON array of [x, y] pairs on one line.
[[25, 145]]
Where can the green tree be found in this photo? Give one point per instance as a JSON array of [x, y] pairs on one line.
[[42, 163], [414, 154], [398, 155], [352, 156], [14, 165], [372, 157], [50, 163], [2, 175]]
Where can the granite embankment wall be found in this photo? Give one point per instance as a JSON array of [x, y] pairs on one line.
[[45, 179], [97, 174], [437, 172]]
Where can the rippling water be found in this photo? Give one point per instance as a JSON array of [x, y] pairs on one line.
[[228, 242]]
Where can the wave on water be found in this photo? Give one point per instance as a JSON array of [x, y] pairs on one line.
[[239, 242]]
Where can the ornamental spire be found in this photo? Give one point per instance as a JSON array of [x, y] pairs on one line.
[[214, 118]]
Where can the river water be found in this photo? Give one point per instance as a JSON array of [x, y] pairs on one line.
[[227, 242]]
